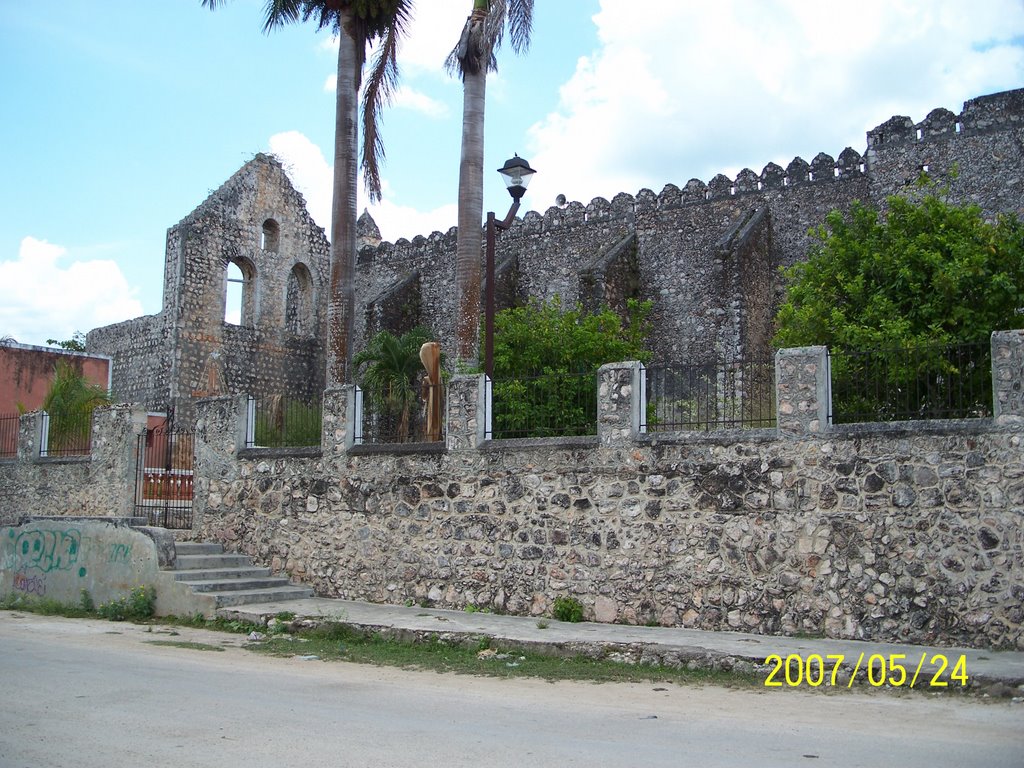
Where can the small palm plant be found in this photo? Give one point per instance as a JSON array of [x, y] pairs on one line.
[[69, 404], [387, 370]]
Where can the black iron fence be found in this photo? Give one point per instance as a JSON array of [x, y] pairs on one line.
[[164, 475], [9, 423], [551, 405], [410, 418], [952, 381], [66, 435], [276, 421], [710, 396]]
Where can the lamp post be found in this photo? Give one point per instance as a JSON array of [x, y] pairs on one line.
[[516, 173]]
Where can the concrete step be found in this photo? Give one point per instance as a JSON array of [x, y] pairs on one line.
[[197, 548], [191, 562], [212, 574], [206, 573], [272, 595], [238, 585]]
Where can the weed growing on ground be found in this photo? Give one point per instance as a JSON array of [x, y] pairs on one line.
[[140, 604]]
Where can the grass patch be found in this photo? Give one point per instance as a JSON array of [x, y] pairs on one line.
[[340, 642], [186, 644]]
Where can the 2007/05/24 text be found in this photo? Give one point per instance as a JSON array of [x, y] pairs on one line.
[[879, 669]]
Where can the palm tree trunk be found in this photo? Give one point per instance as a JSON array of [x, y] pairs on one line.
[[341, 306], [471, 196]]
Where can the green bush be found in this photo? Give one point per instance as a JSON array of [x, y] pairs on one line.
[[567, 609], [139, 604]]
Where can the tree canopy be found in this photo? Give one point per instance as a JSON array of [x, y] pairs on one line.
[[924, 271]]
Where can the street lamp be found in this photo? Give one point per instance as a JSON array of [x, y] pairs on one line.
[[516, 174]]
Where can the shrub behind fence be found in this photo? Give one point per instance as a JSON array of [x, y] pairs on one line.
[[275, 421], [552, 405], [951, 381], [411, 423], [67, 435]]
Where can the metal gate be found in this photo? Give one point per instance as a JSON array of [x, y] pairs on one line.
[[163, 481]]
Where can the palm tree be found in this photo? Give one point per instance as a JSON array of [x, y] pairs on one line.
[[69, 403], [388, 369], [357, 24], [473, 57]]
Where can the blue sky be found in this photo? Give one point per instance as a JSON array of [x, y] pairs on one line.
[[120, 117]]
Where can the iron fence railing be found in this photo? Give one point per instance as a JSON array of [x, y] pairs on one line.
[[952, 381], [276, 421], [551, 405], [710, 396], [9, 423], [66, 435], [163, 486], [413, 418]]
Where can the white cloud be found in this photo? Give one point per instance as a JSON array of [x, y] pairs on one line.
[[309, 171], [407, 98], [313, 176], [711, 88], [42, 296]]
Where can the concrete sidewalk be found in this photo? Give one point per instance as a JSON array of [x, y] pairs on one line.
[[999, 673]]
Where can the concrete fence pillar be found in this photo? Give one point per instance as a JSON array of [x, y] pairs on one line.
[[1008, 376], [803, 390], [619, 402], [465, 418]]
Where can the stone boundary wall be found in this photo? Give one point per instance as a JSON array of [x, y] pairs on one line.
[[905, 532], [101, 484]]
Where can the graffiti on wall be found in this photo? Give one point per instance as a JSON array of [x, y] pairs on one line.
[[48, 550], [31, 585]]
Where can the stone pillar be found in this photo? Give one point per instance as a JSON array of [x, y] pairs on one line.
[[337, 433], [464, 412], [803, 390], [1008, 376], [220, 434], [114, 455], [619, 402], [30, 430]]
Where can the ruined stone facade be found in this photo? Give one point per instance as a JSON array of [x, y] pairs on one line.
[[256, 227], [707, 255]]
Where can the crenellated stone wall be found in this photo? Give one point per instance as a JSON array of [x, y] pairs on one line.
[[708, 254], [891, 532]]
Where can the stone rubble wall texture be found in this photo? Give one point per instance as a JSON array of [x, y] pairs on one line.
[[708, 254], [99, 484], [188, 350], [890, 533]]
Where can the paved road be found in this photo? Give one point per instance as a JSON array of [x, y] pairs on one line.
[[89, 693]]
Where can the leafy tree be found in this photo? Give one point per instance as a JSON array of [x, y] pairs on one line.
[[545, 359], [75, 344], [69, 404], [473, 58], [387, 370], [357, 24], [912, 280]]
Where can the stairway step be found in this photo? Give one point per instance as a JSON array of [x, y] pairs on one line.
[[211, 574], [189, 562], [198, 548], [245, 597], [238, 585]]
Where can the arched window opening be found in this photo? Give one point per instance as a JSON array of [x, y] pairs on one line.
[[298, 313], [271, 239], [238, 293]]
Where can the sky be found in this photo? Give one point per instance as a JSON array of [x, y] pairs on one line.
[[121, 117]]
